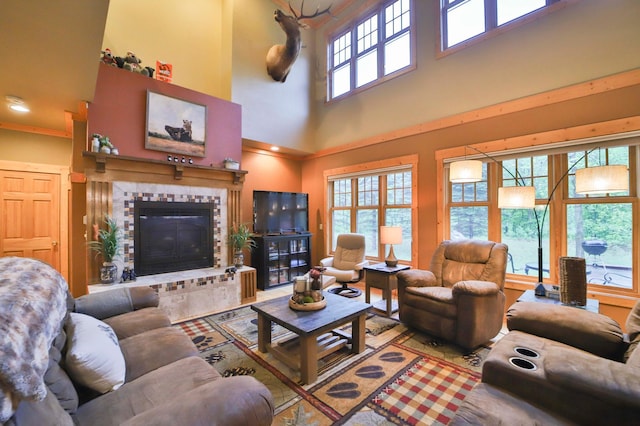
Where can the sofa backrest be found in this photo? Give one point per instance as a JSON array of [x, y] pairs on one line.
[[632, 356], [350, 251], [460, 260]]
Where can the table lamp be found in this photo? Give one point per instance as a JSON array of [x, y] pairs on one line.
[[391, 235]]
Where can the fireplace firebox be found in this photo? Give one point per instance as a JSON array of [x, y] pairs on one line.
[[172, 236]]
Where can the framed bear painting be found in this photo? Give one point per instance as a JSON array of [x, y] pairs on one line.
[[175, 125]]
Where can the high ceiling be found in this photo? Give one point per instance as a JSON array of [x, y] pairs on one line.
[[51, 53], [50, 58]]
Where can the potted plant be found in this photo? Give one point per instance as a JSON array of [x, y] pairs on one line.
[[240, 238], [107, 243]]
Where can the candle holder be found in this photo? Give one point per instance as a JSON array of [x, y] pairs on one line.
[[307, 292]]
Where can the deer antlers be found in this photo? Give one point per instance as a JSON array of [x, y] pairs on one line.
[[303, 16]]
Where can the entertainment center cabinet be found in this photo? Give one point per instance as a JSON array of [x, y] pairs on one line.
[[283, 240], [278, 259]]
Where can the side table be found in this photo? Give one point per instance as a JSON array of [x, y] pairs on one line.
[[383, 277], [592, 305]]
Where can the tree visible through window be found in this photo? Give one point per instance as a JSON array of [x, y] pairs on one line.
[[362, 204], [597, 228]]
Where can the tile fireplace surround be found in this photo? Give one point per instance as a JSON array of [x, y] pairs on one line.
[[183, 294]]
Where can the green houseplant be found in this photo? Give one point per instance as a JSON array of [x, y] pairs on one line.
[[107, 243], [240, 238]]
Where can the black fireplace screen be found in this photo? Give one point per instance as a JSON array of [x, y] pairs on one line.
[[170, 237]]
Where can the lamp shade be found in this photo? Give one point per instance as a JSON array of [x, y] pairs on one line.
[[390, 235], [516, 197], [465, 171], [602, 179]]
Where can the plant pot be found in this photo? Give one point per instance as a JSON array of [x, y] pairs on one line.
[[238, 259], [108, 273]]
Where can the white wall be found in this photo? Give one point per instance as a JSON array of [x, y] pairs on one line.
[[583, 41], [272, 112]]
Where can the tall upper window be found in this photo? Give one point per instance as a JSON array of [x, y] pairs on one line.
[[464, 19], [377, 46]]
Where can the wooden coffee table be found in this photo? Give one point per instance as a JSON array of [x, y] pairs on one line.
[[315, 330]]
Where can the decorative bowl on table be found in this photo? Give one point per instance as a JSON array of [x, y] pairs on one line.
[[301, 305]]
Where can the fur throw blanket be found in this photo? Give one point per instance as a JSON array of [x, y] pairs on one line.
[[33, 304]]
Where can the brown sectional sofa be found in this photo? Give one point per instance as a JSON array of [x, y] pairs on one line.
[[61, 373], [559, 365]]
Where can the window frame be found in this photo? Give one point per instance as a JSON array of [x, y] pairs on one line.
[[381, 169], [556, 215], [351, 28], [492, 29]]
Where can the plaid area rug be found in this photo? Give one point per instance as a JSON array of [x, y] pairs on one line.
[[403, 377]]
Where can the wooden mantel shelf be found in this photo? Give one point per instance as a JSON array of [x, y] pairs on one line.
[[101, 160]]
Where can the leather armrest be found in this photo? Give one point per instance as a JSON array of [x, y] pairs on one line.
[[327, 261], [115, 302], [416, 278], [589, 331], [475, 288], [583, 373], [360, 266]]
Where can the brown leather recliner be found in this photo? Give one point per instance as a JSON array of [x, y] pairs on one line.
[[558, 365], [461, 298]]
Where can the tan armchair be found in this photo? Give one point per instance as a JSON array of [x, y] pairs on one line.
[[461, 298], [347, 264]]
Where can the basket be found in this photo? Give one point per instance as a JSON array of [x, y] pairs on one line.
[[573, 280], [313, 306]]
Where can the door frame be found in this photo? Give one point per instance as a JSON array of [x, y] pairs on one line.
[[65, 188]]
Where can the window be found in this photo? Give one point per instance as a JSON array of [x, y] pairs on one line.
[[378, 46], [363, 201], [596, 228], [462, 20]]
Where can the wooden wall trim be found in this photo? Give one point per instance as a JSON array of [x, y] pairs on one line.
[[33, 129], [576, 91]]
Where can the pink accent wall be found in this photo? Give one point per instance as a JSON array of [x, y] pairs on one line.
[[119, 110]]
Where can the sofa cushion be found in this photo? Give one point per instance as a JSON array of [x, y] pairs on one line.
[[93, 357], [136, 322], [155, 389], [155, 348], [59, 383]]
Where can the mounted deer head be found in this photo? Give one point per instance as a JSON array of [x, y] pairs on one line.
[[281, 57]]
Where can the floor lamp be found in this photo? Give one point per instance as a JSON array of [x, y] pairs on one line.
[[590, 180]]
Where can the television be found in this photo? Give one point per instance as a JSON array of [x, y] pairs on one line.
[[276, 213]]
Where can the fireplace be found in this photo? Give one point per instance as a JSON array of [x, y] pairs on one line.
[[172, 236]]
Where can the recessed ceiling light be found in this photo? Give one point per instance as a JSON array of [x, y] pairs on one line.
[[17, 104], [275, 148]]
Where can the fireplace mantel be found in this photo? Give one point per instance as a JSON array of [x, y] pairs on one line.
[[177, 167]]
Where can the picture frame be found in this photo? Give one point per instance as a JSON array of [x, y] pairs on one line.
[[175, 125]]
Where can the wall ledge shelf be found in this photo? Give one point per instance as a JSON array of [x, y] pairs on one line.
[[101, 160]]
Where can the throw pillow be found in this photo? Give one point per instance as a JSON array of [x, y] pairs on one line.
[[93, 357]]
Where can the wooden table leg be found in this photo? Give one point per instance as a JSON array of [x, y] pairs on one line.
[[387, 295], [264, 333], [358, 327], [308, 359]]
